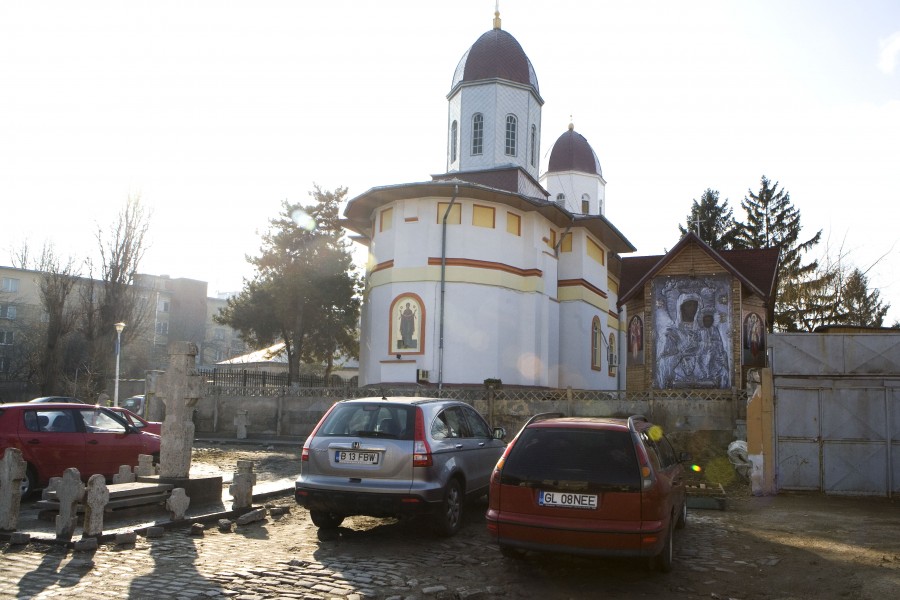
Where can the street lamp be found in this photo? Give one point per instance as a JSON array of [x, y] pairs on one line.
[[119, 328]]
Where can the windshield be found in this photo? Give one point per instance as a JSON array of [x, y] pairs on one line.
[[370, 420]]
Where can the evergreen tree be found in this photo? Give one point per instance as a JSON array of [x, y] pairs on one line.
[[305, 291], [773, 222], [859, 305], [716, 224]]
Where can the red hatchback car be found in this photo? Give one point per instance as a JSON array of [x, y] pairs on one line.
[[56, 436], [595, 486]]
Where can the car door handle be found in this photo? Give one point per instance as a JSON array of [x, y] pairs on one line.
[[94, 442], [481, 444], [33, 441], [459, 446]]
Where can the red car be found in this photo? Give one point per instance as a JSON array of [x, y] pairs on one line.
[[137, 422], [594, 486], [56, 436]]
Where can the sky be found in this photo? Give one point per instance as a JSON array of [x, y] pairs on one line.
[[214, 113]]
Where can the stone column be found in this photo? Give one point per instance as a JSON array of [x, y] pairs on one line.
[[177, 504], [179, 389], [69, 493], [242, 487], [12, 472], [95, 504], [155, 411], [241, 420]]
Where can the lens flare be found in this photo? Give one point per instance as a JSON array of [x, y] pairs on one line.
[[696, 468], [302, 220], [655, 433]]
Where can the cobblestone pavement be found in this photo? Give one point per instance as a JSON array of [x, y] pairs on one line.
[[720, 555]]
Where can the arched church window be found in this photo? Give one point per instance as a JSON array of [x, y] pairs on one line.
[[534, 145], [477, 133], [511, 124], [585, 203], [407, 325], [453, 132], [613, 356], [596, 336]]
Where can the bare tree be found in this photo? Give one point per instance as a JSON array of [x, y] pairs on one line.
[[58, 280]]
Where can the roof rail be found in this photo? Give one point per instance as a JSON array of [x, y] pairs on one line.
[[542, 416], [634, 418]]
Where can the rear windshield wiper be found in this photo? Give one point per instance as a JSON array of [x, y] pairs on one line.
[[375, 434]]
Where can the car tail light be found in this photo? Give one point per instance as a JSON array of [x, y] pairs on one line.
[[304, 454], [647, 476], [421, 449], [495, 475]]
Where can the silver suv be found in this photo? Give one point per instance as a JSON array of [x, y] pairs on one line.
[[396, 457]]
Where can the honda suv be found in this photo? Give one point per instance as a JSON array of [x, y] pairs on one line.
[[595, 486], [396, 457]]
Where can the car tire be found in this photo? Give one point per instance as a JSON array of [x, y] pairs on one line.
[[325, 520], [29, 483], [662, 562], [448, 519], [681, 523]]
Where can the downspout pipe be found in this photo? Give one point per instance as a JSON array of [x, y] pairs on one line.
[[443, 289]]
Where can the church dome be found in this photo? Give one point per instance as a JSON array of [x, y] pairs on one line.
[[496, 55], [572, 152]]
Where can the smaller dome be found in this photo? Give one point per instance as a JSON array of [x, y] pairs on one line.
[[572, 152], [496, 54]]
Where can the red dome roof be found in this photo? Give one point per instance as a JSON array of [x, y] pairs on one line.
[[496, 55], [572, 152]]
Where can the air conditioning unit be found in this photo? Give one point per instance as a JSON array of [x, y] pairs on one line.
[[422, 376]]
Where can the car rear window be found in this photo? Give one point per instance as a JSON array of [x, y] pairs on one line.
[[603, 459], [370, 420]]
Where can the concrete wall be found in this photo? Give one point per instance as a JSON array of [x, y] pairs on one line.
[[702, 424]]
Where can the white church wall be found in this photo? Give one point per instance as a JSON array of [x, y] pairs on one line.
[[575, 185]]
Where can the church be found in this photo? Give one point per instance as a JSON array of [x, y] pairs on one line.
[[494, 270]]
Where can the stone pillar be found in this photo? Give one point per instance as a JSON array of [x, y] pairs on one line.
[[154, 409], [125, 475], [145, 467], [177, 504], [69, 493], [179, 389], [241, 420], [12, 472], [95, 505], [761, 436], [242, 487]]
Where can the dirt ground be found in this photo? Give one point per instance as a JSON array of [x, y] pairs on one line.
[[790, 546]]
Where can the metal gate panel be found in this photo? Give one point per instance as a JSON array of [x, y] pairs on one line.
[[871, 354], [854, 414], [797, 426], [854, 468]]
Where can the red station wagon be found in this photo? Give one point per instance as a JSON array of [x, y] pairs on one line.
[[56, 436], [594, 486]]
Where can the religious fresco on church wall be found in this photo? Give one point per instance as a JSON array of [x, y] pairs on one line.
[[692, 327], [635, 341], [754, 340], [407, 325]]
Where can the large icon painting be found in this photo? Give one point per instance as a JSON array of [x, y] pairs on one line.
[[407, 324], [635, 341], [754, 340], [692, 323]]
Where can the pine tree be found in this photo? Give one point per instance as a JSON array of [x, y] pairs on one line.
[[859, 305], [716, 224], [773, 222], [305, 291]]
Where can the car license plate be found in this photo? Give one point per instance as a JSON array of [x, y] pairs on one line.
[[348, 457], [567, 500]]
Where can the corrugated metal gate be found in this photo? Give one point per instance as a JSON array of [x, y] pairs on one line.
[[837, 412]]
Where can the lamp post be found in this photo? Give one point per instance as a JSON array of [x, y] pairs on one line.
[[119, 328]]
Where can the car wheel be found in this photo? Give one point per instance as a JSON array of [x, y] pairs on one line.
[[681, 523], [29, 483], [662, 562], [326, 520], [448, 519]]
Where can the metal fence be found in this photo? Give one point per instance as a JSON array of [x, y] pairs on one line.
[[235, 380]]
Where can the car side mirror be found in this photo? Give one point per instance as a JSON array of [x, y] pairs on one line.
[[499, 433]]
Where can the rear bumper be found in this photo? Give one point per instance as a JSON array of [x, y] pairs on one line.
[[363, 503], [626, 540]]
